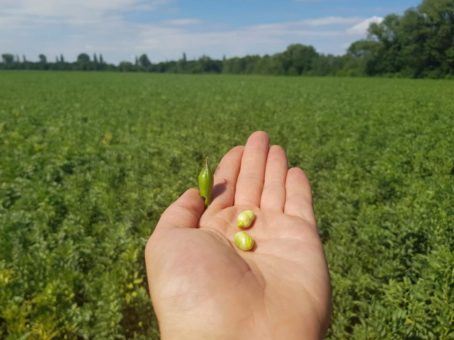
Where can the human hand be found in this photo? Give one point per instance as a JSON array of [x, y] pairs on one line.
[[203, 287]]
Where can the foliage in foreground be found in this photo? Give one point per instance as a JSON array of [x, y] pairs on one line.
[[89, 161]]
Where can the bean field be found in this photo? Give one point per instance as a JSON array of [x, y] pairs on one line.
[[88, 162]]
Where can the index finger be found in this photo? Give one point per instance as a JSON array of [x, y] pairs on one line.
[[225, 179]]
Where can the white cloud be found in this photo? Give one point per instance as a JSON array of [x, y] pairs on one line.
[[361, 28], [182, 22], [327, 21], [169, 42], [77, 12], [69, 27]]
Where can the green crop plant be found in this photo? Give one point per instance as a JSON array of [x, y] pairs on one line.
[[89, 161]]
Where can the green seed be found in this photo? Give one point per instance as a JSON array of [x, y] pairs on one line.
[[243, 241], [245, 219], [206, 183]]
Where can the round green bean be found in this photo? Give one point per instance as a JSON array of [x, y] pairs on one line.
[[243, 241]]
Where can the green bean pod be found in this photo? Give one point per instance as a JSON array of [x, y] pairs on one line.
[[205, 180]]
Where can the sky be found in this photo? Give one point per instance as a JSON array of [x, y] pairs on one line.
[[120, 30]]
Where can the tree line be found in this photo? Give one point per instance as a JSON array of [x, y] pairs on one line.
[[419, 43]]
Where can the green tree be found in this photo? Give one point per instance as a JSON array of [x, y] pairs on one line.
[[95, 62], [330, 65], [42, 63], [126, 66], [361, 57], [8, 59], [298, 59], [183, 63], [144, 62], [42, 59], [388, 54], [419, 43], [438, 17], [83, 62]]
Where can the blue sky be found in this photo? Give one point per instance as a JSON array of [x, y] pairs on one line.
[[164, 29]]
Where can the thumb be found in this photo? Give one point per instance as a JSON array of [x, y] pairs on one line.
[[184, 212]]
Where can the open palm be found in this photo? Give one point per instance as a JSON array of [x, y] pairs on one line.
[[203, 287]]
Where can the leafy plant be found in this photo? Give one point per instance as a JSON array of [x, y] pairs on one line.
[[89, 161]]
